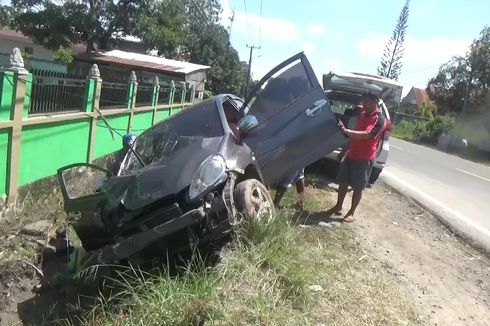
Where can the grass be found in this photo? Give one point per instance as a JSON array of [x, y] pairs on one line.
[[272, 273]]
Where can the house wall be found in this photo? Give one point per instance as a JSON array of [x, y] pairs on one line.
[[39, 52]]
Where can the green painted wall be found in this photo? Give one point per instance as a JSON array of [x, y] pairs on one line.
[[141, 122], [4, 143], [45, 148], [6, 94], [104, 144], [162, 115], [176, 110]]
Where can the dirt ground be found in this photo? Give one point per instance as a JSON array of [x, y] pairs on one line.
[[448, 280]]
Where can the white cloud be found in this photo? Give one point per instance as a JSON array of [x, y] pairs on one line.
[[272, 29], [254, 28], [426, 52], [316, 29], [308, 47], [421, 59]]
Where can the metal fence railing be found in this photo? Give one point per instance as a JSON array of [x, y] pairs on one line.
[[56, 92], [113, 95], [398, 117], [178, 95], [144, 95], [164, 95]]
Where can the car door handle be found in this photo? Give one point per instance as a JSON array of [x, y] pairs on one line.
[[315, 108]]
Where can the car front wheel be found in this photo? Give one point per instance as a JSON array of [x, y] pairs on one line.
[[253, 199]]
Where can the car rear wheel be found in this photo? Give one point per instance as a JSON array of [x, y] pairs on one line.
[[252, 199]]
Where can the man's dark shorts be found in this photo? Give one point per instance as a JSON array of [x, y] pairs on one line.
[[355, 173]]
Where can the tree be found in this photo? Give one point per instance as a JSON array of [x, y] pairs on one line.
[[462, 83], [187, 30], [54, 23], [391, 64], [162, 26]]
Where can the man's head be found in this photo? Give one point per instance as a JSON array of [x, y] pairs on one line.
[[128, 140], [370, 101]]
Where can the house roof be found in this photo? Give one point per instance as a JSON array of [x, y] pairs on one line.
[[13, 35], [420, 95], [144, 61]]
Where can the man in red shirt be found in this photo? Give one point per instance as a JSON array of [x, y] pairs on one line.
[[357, 163]]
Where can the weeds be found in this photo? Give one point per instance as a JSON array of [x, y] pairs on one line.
[[272, 273]]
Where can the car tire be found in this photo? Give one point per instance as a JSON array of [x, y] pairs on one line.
[[375, 172], [252, 199]]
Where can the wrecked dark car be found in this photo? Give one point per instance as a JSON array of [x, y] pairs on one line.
[[198, 173]]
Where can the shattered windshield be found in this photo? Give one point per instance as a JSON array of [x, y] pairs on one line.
[[160, 142]]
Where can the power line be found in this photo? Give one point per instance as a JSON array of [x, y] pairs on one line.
[[246, 17], [260, 25]]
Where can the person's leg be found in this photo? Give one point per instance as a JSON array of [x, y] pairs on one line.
[[300, 190], [280, 191], [356, 199], [344, 179], [361, 170]]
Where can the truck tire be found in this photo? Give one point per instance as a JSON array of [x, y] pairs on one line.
[[252, 199]]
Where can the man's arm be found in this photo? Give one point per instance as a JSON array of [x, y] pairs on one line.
[[353, 134]]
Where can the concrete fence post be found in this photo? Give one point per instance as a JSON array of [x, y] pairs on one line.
[[171, 97], [92, 100], [193, 94], [132, 90], [154, 98], [19, 109], [182, 95]]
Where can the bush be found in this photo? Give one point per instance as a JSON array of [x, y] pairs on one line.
[[207, 94], [424, 131]]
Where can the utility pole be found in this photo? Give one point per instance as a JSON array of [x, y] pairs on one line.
[[250, 65]]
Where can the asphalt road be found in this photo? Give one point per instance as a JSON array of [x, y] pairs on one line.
[[456, 190]]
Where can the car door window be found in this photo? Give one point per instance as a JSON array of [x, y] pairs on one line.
[[279, 91]]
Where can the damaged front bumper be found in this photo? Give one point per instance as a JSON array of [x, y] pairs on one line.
[[132, 245]]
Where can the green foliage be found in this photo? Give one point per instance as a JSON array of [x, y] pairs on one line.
[[53, 23], [427, 110], [391, 64], [207, 94], [462, 83], [63, 55], [423, 131], [187, 30]]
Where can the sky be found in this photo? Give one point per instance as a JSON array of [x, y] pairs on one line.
[[350, 35]]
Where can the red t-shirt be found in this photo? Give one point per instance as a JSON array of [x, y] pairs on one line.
[[365, 149]]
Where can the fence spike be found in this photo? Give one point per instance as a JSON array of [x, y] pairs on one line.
[[132, 77], [94, 72], [16, 62]]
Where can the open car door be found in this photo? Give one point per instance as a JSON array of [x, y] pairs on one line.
[[296, 126], [80, 186]]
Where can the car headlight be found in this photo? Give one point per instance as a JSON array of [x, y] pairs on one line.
[[210, 173]]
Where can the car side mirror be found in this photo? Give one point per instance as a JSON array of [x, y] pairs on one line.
[[246, 124]]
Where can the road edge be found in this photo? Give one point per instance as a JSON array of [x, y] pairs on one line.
[[460, 225]]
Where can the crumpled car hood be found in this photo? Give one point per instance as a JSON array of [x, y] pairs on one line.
[[166, 178]]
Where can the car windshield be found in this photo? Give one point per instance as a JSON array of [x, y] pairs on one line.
[[159, 143]]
